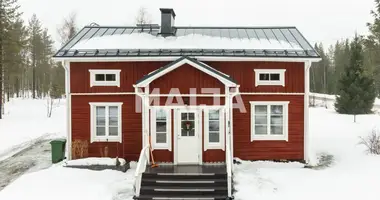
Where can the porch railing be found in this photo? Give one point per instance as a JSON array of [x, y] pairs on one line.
[[140, 168]]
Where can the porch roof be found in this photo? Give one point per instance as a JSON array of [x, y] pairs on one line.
[[224, 78]]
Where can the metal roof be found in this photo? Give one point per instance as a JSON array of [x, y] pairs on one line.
[[290, 35]]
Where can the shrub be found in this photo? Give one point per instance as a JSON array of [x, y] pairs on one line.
[[372, 142]]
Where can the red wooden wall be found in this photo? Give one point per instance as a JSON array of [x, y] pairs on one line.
[[131, 126], [270, 150], [184, 78]]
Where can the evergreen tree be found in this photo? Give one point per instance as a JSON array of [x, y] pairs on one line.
[[356, 90], [320, 72], [14, 59], [372, 46], [8, 14], [35, 45]]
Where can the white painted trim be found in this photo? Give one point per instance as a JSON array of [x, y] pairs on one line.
[[168, 144], [220, 145], [179, 64], [105, 138], [285, 136], [306, 112], [231, 121], [104, 93], [187, 95], [146, 124], [188, 107], [66, 66], [172, 58], [94, 72], [270, 93], [175, 136], [200, 135], [280, 82]]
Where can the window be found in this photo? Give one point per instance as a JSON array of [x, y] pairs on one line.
[[270, 77], [106, 122], [214, 129], [105, 77], [269, 120], [161, 128]]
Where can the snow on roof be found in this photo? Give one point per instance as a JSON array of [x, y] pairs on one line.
[[193, 41]]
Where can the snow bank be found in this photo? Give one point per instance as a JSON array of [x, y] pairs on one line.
[[60, 183], [95, 161], [352, 175], [26, 121], [193, 41]]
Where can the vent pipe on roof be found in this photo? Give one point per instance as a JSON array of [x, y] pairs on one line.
[[167, 21]]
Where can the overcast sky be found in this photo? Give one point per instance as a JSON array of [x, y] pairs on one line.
[[319, 20]]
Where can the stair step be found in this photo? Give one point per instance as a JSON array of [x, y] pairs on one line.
[[194, 197], [184, 182], [179, 188], [165, 176], [178, 184], [183, 192]]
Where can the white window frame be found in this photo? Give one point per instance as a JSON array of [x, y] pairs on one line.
[[280, 82], [106, 138], [285, 105], [168, 144], [94, 72], [214, 145]]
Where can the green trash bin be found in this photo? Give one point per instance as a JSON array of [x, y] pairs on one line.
[[58, 150]]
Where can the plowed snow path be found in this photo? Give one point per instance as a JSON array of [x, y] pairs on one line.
[[34, 156]]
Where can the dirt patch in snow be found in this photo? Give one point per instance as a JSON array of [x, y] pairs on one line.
[[34, 157]]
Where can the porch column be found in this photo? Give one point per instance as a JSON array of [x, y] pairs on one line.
[[145, 116], [231, 107], [227, 119]]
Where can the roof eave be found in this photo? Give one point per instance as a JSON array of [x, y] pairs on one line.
[[172, 58]]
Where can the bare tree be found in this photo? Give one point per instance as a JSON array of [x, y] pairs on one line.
[[372, 142], [49, 106], [68, 28], [143, 17]]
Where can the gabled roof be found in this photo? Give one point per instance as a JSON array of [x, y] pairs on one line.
[[227, 80], [145, 40]]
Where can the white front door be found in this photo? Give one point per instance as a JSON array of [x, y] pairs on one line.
[[188, 144]]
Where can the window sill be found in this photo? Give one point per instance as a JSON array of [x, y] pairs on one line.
[[106, 139], [161, 147], [96, 84], [213, 146], [269, 138], [273, 83]]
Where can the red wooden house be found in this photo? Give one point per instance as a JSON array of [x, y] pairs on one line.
[[199, 94]]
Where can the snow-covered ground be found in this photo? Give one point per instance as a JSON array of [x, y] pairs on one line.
[[61, 183], [352, 175], [25, 121]]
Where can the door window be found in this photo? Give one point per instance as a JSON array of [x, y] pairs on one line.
[[187, 124]]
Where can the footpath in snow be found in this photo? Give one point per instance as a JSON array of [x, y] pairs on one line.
[[33, 158], [25, 133], [26, 120]]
